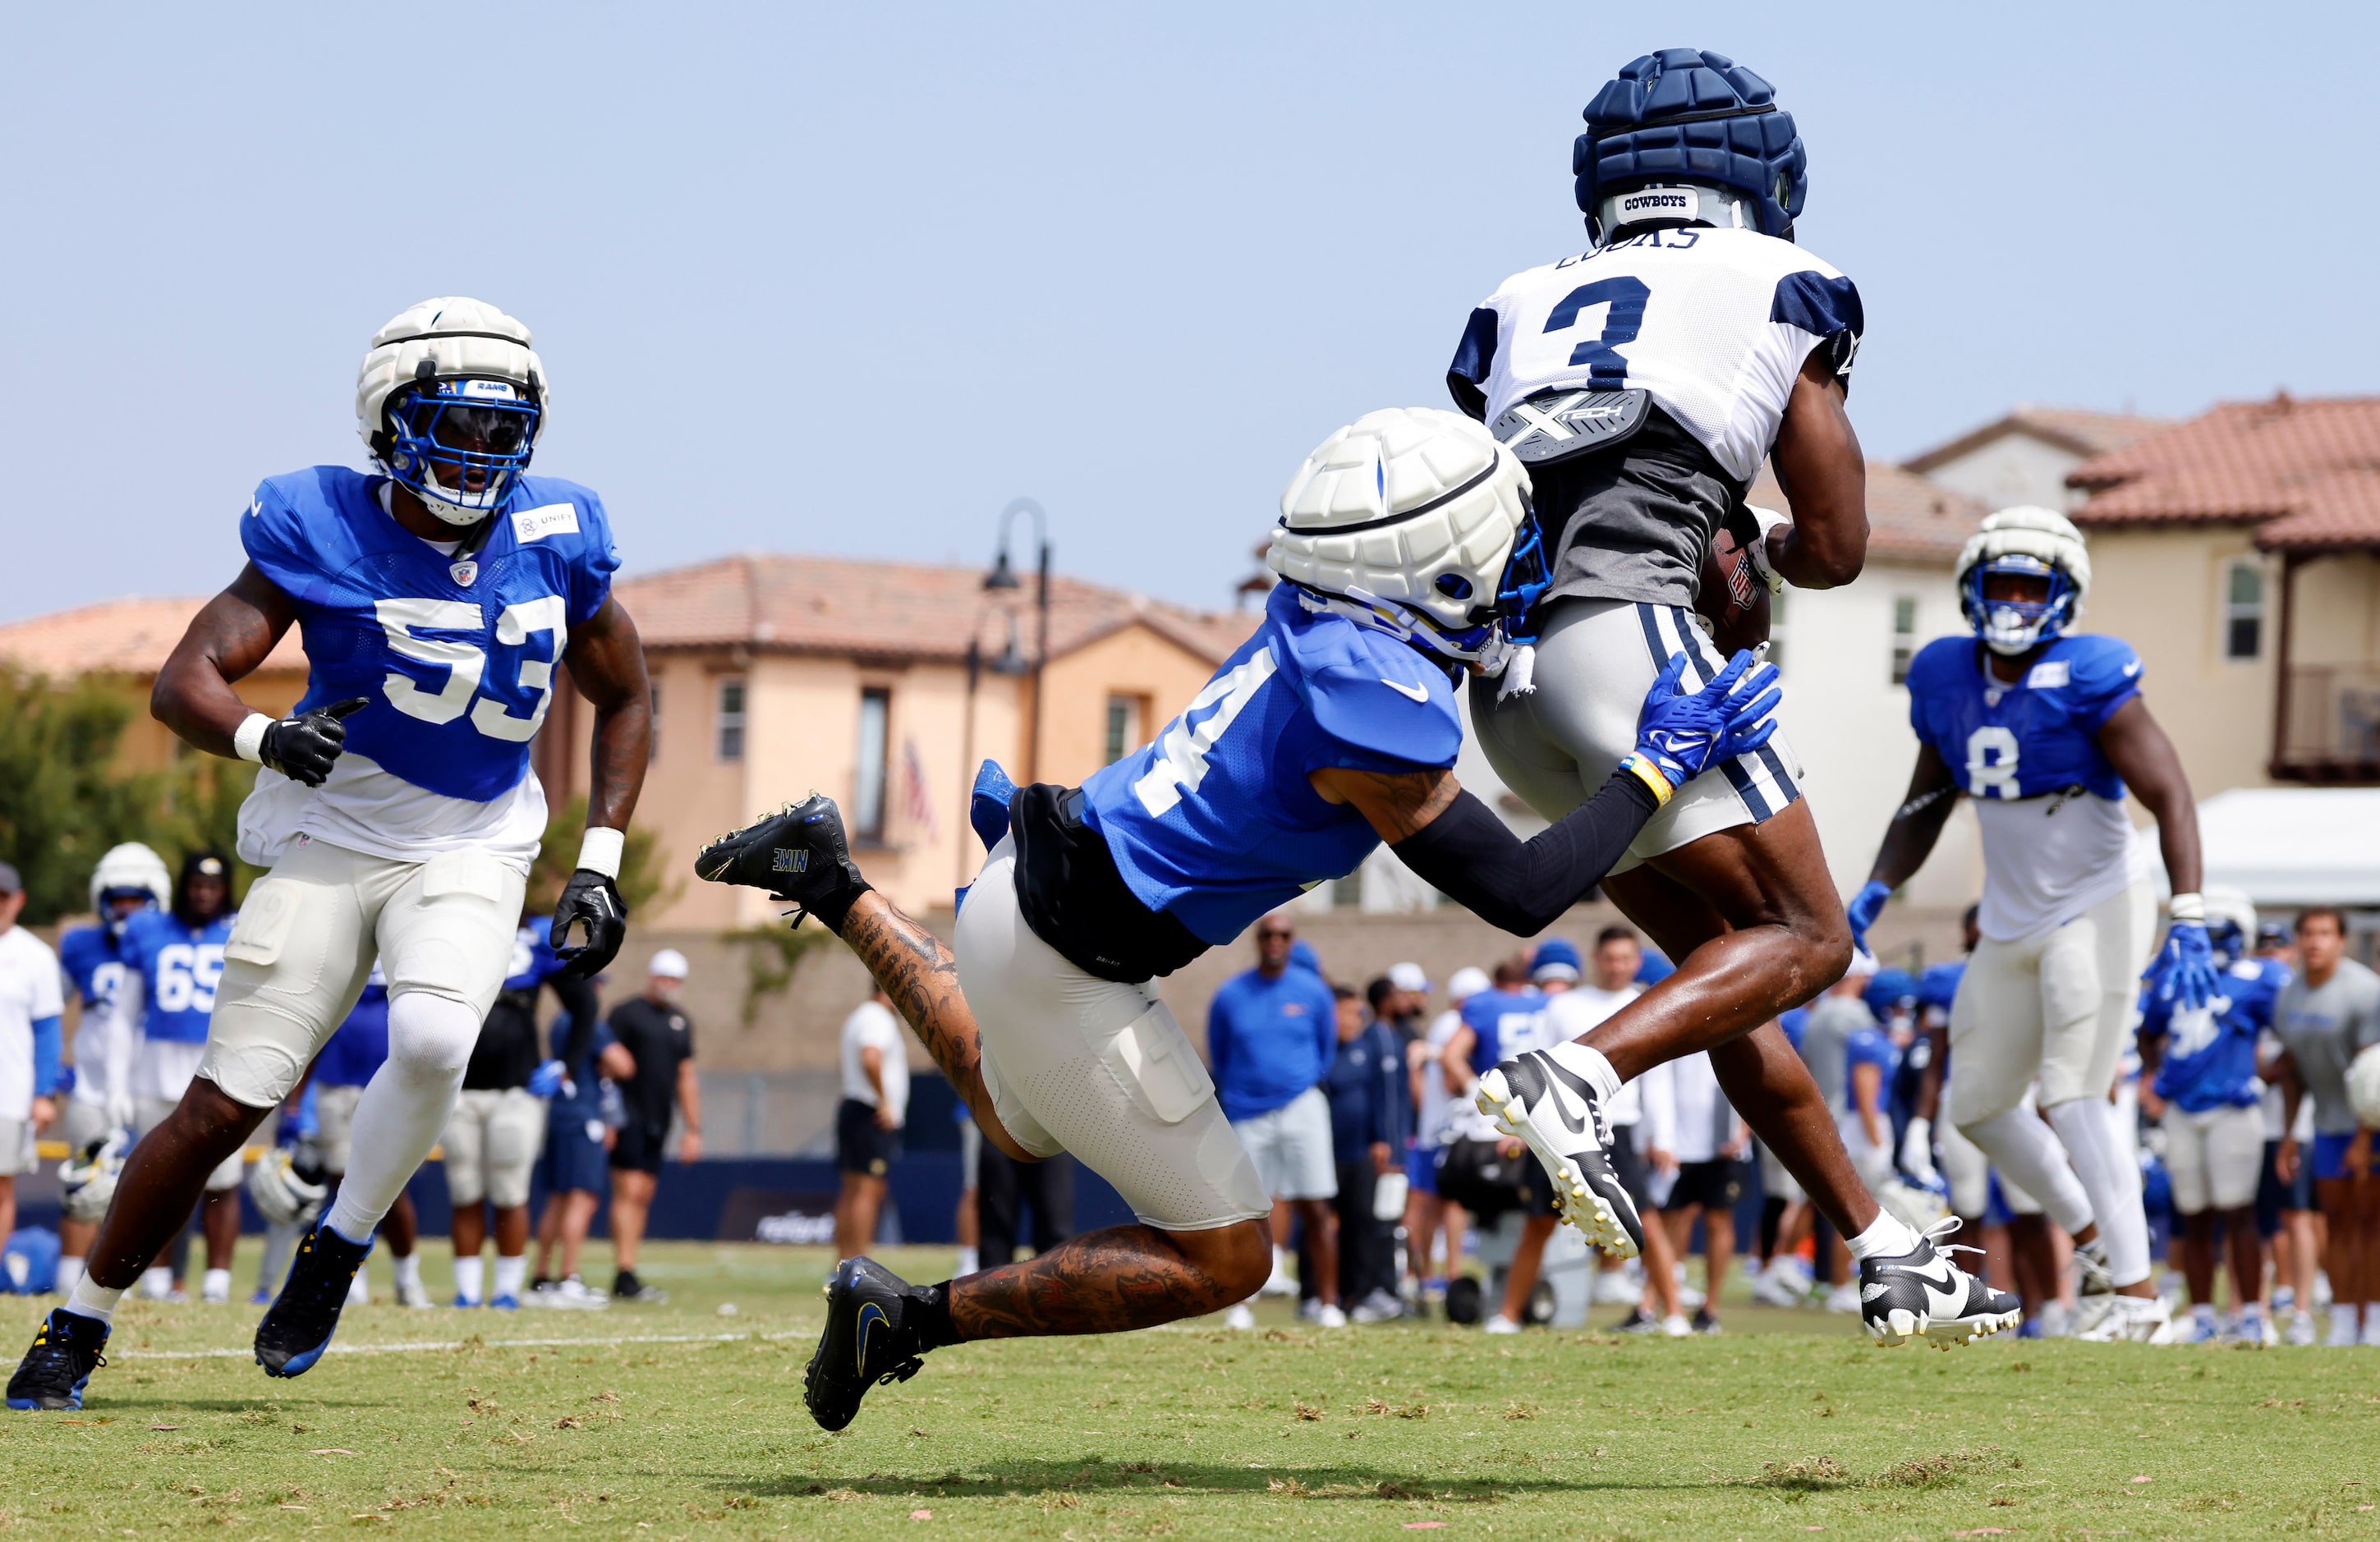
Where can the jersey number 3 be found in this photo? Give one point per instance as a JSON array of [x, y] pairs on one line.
[[465, 663], [1627, 297]]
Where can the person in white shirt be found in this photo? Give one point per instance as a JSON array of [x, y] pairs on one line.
[[32, 1008], [1691, 1131], [1618, 958], [1428, 1215], [868, 1124]]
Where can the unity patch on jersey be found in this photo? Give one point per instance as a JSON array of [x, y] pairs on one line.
[[551, 519]]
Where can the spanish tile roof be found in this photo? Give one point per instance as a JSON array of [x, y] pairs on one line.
[[2072, 428], [131, 635], [2306, 473], [1909, 518], [796, 604]]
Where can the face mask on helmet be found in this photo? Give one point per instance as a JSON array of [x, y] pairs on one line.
[[460, 445], [2030, 603], [1505, 622]]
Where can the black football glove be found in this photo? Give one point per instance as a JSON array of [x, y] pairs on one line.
[[590, 900], [304, 748]]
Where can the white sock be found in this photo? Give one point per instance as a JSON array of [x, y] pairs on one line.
[[405, 1108], [467, 1280], [1580, 1059], [92, 1299], [408, 1270], [2112, 1181], [2023, 1146], [70, 1273], [216, 1285], [360, 1289], [510, 1272], [1888, 1236], [1280, 1261], [156, 1282], [969, 1262], [2371, 1322]]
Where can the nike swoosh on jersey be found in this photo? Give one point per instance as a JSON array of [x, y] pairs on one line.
[[2132, 668], [1419, 693], [871, 1317]]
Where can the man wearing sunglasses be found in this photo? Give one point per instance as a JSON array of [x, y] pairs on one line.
[[438, 598]]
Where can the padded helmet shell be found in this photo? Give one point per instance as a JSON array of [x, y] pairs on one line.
[[2025, 539], [1690, 115], [130, 866]]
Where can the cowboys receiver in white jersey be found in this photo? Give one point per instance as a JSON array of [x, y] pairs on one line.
[[1644, 381], [394, 805]]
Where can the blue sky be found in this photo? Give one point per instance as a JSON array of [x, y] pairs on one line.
[[847, 280]]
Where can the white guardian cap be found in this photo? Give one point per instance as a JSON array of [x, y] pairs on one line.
[[451, 402], [1416, 523], [2030, 542], [124, 870]]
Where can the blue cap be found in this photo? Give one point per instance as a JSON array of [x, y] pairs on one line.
[[1555, 959], [1655, 968], [1888, 988]]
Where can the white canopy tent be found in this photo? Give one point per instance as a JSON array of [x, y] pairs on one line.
[[2292, 846]]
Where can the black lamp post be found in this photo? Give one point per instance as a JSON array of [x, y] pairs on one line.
[[1013, 662]]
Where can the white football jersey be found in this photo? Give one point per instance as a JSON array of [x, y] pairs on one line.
[[1712, 324]]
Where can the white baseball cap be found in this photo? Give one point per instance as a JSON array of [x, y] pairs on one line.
[[1409, 977], [1465, 982], [669, 963], [1863, 964]]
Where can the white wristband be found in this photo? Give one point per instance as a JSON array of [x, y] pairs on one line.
[[2187, 907], [1768, 520], [600, 852], [248, 739]]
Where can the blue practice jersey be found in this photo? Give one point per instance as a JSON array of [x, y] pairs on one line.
[[455, 655], [2027, 739], [1506, 1022], [1215, 820], [1936, 988], [177, 966], [533, 960], [92, 958], [1869, 1046], [357, 1046], [2210, 1054]]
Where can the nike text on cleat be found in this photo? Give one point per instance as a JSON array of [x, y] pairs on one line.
[[297, 1327], [56, 1370], [867, 1341], [1922, 1295], [799, 854], [1555, 1110]]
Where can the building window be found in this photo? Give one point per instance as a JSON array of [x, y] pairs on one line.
[[1125, 715], [2243, 611], [730, 737], [867, 796], [653, 747], [1904, 636]]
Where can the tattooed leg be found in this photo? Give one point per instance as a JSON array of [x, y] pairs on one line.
[[1110, 1282], [922, 978]]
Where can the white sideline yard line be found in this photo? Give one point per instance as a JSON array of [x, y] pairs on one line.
[[248, 1352]]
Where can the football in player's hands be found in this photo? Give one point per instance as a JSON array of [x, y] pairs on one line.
[[305, 747], [590, 900], [1731, 596]]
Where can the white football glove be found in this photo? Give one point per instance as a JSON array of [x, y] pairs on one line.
[[1917, 1150]]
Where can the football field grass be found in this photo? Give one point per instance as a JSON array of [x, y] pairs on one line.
[[653, 1422]]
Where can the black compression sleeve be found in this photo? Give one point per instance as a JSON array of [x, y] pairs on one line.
[[577, 997], [1523, 886]]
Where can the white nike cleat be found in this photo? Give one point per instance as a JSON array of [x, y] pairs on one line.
[[1922, 1295], [2094, 1288], [1555, 1110], [1501, 1324], [2302, 1333], [2134, 1319]]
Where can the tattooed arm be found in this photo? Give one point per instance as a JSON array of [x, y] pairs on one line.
[[607, 665], [1111, 1282], [226, 642], [922, 979]]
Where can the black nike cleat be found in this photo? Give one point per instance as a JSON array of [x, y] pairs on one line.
[[1555, 1110], [298, 1326], [868, 1340], [799, 854], [58, 1366], [1922, 1295]]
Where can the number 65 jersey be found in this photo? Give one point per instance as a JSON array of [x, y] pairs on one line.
[[1668, 359], [454, 652], [2056, 840]]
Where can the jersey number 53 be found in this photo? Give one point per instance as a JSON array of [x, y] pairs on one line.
[[467, 663]]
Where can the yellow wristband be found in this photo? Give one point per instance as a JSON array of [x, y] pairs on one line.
[[1649, 774]]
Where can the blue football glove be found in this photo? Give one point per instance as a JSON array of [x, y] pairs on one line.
[[1864, 907], [546, 1080], [2183, 973], [1684, 732]]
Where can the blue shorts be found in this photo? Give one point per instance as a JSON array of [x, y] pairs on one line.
[[1421, 1166], [2273, 1197], [574, 1153], [2330, 1155]]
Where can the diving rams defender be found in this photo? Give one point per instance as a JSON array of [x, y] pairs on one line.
[[1405, 544], [1645, 381], [2044, 732], [396, 806]]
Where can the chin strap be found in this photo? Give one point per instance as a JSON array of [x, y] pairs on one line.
[[1512, 664]]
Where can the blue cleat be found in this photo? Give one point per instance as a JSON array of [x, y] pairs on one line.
[[463, 1304], [298, 1328], [58, 1366], [505, 1303]]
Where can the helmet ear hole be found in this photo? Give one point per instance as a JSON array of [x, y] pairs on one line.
[[1455, 585]]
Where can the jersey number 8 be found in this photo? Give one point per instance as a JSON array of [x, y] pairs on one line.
[[467, 663], [1991, 762]]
